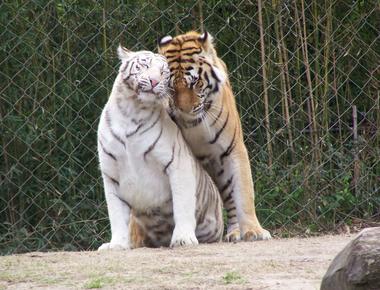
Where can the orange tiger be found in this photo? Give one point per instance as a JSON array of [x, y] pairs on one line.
[[204, 107]]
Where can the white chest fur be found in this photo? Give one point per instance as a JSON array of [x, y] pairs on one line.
[[143, 183]]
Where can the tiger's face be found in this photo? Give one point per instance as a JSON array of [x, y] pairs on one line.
[[196, 73], [145, 73]]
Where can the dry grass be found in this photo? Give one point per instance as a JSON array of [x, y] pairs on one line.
[[276, 264]]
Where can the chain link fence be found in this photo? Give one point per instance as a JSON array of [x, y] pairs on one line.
[[305, 75]]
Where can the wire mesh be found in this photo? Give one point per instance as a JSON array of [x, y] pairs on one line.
[[306, 79]]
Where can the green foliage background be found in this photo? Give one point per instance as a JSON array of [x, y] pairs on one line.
[[58, 64]]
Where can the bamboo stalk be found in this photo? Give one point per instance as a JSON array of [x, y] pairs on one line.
[[265, 87], [176, 22], [200, 9], [378, 119], [10, 209], [298, 91], [335, 89], [317, 81], [284, 90], [325, 122], [356, 170], [286, 66], [104, 37], [311, 111]]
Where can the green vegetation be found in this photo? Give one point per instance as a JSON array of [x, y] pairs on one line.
[[232, 278], [58, 64], [99, 282]]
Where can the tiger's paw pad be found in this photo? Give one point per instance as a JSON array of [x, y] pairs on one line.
[[256, 235], [182, 238], [233, 236], [113, 247]]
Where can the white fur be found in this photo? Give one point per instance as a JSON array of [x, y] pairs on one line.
[[143, 184], [166, 39]]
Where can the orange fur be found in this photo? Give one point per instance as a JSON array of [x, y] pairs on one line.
[[190, 52]]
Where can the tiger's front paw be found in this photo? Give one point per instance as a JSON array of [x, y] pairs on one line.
[[114, 247], [183, 237], [256, 234], [233, 236]]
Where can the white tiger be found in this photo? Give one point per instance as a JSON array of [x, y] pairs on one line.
[[157, 193]]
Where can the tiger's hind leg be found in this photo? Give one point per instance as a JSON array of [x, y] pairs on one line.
[[209, 215]]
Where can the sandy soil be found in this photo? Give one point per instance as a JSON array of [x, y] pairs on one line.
[[276, 264]]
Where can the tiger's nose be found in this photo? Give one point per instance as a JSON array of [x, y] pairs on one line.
[[153, 82]]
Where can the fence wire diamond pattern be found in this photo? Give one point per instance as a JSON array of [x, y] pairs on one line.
[[306, 79]]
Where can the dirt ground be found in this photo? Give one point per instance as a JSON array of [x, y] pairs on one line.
[[276, 264]]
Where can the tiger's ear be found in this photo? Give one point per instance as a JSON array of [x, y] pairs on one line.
[[206, 40], [123, 52], [162, 41]]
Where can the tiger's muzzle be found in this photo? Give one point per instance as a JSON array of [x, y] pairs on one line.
[[185, 99]]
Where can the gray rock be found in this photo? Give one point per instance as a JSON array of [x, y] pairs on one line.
[[357, 266]]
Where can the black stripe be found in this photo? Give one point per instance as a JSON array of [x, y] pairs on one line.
[[228, 183], [155, 225], [180, 60], [179, 50], [209, 237], [229, 149], [171, 51], [192, 53], [202, 157], [171, 160], [214, 74], [108, 122], [203, 238], [126, 202], [173, 56], [111, 178], [154, 144], [220, 172], [175, 60], [220, 130], [201, 215], [134, 132], [230, 209], [105, 151], [228, 197], [152, 125], [216, 89], [207, 80], [197, 121], [217, 117], [134, 121], [127, 63]]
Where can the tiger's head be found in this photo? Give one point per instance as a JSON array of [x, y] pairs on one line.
[[196, 72], [145, 73]]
